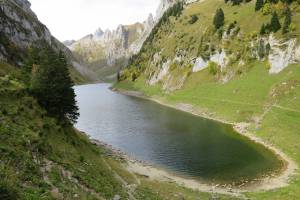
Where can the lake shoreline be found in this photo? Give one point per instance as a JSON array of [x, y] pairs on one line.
[[274, 181]]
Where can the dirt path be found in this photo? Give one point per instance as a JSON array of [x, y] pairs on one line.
[[287, 109], [66, 174], [130, 188]]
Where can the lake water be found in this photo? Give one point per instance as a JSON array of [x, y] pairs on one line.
[[164, 137]]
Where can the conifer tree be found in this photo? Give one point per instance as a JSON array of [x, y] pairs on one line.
[[219, 18], [275, 24], [287, 21], [52, 85], [262, 30], [259, 4]]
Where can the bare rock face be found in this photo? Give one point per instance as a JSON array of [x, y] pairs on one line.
[[166, 4], [25, 5], [148, 26], [163, 6], [282, 54], [69, 42], [20, 28]]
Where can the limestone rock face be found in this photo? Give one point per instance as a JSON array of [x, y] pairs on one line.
[[20, 28], [148, 25], [282, 54], [163, 6]]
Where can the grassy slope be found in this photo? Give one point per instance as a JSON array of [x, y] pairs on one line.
[[77, 77], [187, 36], [270, 103], [46, 155]]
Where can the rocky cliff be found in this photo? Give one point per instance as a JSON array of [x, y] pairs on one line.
[[21, 29]]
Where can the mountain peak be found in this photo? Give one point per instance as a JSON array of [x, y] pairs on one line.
[[98, 33]]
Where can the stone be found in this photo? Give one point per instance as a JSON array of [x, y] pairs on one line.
[[117, 197]]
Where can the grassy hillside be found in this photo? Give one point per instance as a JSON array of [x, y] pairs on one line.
[[242, 91], [41, 158], [181, 37]]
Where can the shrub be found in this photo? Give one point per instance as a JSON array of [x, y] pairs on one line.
[[292, 27], [261, 49], [266, 9], [259, 4], [230, 27], [213, 68], [194, 19], [262, 30]]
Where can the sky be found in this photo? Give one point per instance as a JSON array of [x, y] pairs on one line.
[[74, 19]]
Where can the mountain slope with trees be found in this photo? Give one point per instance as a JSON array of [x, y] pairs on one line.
[[239, 62]]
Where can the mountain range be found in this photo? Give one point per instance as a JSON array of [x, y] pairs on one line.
[[106, 52]]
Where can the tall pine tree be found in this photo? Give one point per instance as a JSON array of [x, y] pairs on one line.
[[287, 21], [275, 24], [53, 87], [262, 30], [259, 4], [219, 18]]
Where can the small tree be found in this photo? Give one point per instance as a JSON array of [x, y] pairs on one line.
[[262, 30], [219, 18], [194, 19], [275, 24], [213, 68], [261, 49], [287, 21], [119, 76], [259, 4], [53, 87]]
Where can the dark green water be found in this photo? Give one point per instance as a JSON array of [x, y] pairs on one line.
[[177, 141]]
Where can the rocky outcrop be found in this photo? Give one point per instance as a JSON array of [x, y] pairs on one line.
[[69, 42], [137, 45], [20, 29], [282, 54], [163, 6], [199, 64], [166, 4], [160, 74]]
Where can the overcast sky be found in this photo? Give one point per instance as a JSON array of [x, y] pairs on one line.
[[73, 19]]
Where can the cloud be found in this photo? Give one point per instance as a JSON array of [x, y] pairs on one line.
[[73, 19]]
